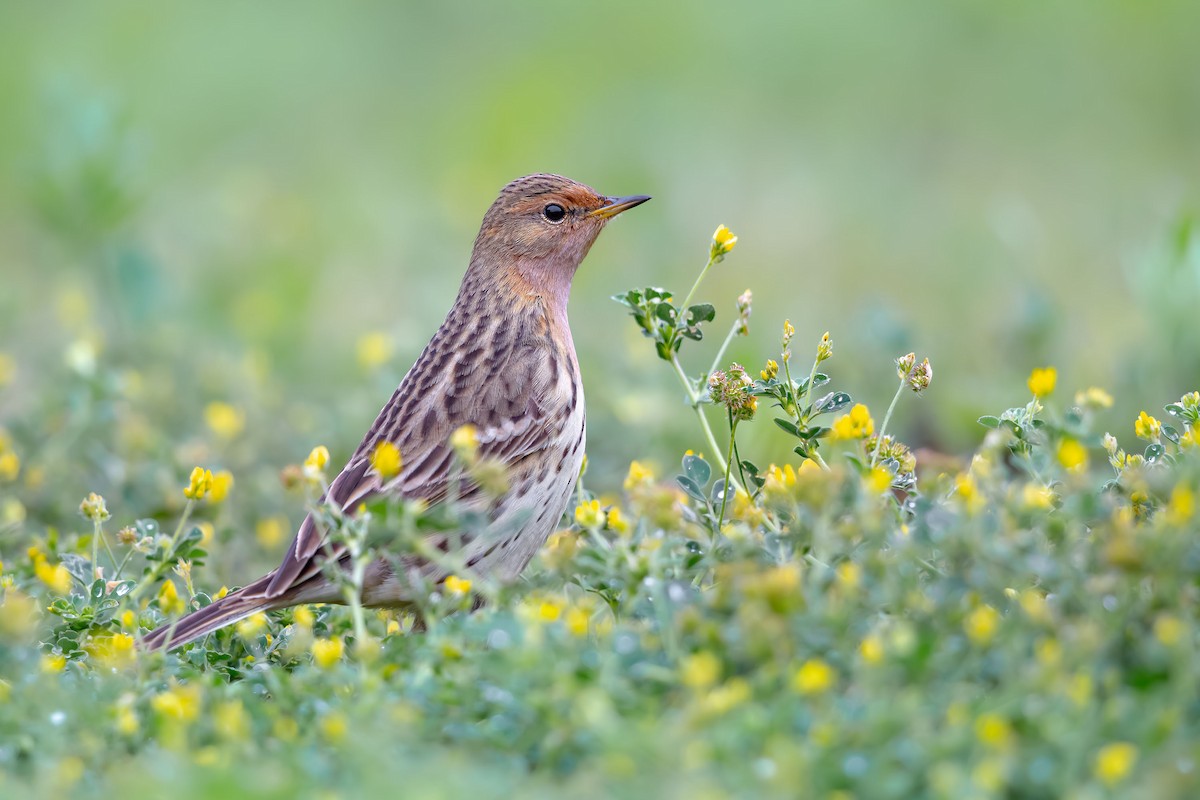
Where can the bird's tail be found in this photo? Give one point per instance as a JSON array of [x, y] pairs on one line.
[[229, 609]]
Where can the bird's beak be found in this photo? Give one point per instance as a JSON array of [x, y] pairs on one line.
[[615, 205]]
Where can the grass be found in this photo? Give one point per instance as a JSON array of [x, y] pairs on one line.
[[854, 623]]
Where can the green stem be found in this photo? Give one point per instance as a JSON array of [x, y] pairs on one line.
[[724, 346], [787, 373], [687, 301], [162, 566], [694, 400], [886, 419], [95, 549], [729, 462]]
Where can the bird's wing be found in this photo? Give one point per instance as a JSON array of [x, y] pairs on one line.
[[512, 400]]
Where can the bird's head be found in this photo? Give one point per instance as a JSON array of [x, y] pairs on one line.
[[542, 226]]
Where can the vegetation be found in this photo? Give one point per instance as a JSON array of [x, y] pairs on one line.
[[850, 623]]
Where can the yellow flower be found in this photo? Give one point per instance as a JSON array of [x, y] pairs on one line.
[[127, 721], [334, 726], [1041, 381], [878, 480], [1181, 506], [1035, 497], [549, 610], [317, 459], [1072, 455], [723, 241], [1093, 397], [856, 424], [725, 698], [169, 601], [1115, 761], [639, 475], [981, 624], [327, 652], [780, 480], [993, 731], [222, 482], [224, 420], [849, 574], [303, 616], [589, 515], [53, 662], [1147, 427], [180, 703], [231, 721], [770, 370], [700, 670], [116, 650], [577, 621], [824, 348], [94, 508], [871, 649], [199, 484], [252, 625], [10, 466], [56, 577], [1169, 629], [456, 585], [967, 491], [373, 349], [615, 522], [813, 677], [385, 458], [465, 442], [270, 531]]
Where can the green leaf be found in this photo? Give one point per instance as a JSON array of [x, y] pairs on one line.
[[832, 402], [697, 469], [1170, 434], [788, 426], [1153, 453], [989, 422], [688, 485], [701, 312]]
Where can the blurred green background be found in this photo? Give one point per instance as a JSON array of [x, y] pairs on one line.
[[225, 200]]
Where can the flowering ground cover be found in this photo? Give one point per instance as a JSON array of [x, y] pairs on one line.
[[861, 621]]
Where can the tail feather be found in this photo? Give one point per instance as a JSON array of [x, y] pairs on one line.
[[229, 609]]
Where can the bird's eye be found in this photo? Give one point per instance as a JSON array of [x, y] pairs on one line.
[[554, 212]]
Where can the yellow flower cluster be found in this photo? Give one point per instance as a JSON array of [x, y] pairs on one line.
[[589, 515], [56, 577], [639, 475], [385, 459], [327, 652], [373, 350], [1115, 761], [178, 703], [813, 677], [1042, 381], [856, 424], [465, 442], [1147, 427], [981, 624], [1072, 455], [224, 420], [10, 463], [723, 241], [199, 484], [456, 585]]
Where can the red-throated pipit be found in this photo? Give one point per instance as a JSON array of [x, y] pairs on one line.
[[503, 362]]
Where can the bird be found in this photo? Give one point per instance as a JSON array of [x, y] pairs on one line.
[[504, 362]]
